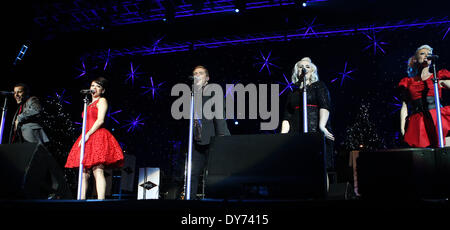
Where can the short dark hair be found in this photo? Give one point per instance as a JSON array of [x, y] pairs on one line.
[[101, 81], [25, 87], [202, 67]]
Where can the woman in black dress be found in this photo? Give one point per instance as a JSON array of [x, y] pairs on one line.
[[318, 102]]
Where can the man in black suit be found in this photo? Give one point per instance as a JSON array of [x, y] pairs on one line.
[[25, 125], [26, 129], [204, 129]]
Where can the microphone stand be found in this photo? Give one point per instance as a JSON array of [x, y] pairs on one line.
[[305, 105], [189, 156], [83, 136], [2, 126], [305, 130], [437, 102]]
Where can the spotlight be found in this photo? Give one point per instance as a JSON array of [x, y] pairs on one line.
[[301, 3], [236, 122], [240, 6]]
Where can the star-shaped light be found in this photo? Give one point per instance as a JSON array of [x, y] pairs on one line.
[[397, 105], [134, 123], [375, 43], [309, 28], [61, 97], [82, 70], [152, 88], [110, 115], [344, 75], [133, 73], [266, 62], [289, 85]]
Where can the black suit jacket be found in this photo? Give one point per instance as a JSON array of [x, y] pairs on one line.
[[211, 127], [29, 129]]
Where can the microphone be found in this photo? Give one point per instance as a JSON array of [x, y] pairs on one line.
[[6, 93], [432, 57], [303, 72], [87, 91], [193, 78]]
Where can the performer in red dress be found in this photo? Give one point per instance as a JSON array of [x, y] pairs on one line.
[[420, 126], [101, 148]]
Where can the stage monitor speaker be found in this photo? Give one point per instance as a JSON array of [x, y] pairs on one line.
[[408, 173], [275, 166], [443, 171], [28, 171]]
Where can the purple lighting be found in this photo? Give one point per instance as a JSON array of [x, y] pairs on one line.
[[316, 30], [266, 63], [110, 115], [288, 84], [61, 97], [107, 59], [152, 88], [445, 35], [229, 91], [397, 105], [134, 123], [132, 74], [82, 70], [344, 75], [375, 43], [155, 44], [309, 28]]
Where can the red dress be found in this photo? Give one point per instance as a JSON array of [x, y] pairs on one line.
[[421, 130], [100, 148]]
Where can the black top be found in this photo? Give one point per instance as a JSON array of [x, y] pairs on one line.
[[318, 98], [209, 127]]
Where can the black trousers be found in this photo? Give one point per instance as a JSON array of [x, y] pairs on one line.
[[199, 160]]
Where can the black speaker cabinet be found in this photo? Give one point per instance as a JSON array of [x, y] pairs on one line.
[[28, 171], [442, 157], [277, 166], [407, 173]]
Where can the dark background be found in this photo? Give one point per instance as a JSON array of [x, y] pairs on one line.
[[54, 60]]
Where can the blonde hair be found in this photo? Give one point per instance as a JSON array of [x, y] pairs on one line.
[[296, 72], [412, 69], [424, 47]]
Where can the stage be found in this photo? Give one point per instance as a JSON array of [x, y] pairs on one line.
[[369, 177]]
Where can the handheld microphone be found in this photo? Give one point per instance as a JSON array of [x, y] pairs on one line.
[[432, 57], [303, 73], [6, 93], [87, 91]]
